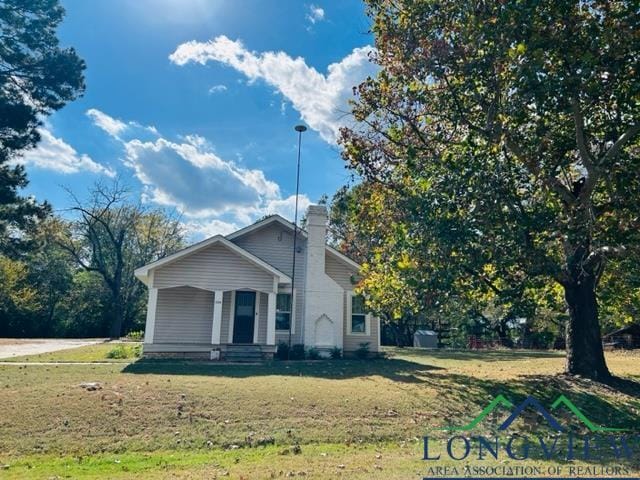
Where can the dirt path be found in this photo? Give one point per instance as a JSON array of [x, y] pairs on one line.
[[14, 347]]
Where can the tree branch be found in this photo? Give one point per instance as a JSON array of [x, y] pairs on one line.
[[581, 141], [631, 132], [550, 181], [604, 252]]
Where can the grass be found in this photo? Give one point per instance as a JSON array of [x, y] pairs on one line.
[[103, 352], [355, 419]]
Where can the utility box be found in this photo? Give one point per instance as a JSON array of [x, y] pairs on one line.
[[425, 339]]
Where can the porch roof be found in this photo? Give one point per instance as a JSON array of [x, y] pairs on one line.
[[142, 273]]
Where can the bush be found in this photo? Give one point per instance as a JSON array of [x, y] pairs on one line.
[[137, 336], [363, 350], [282, 353], [297, 352], [313, 354], [122, 352], [336, 353]]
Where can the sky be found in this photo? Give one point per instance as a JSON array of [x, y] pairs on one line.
[[192, 104]]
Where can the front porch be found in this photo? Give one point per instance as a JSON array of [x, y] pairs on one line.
[[212, 300], [190, 322]]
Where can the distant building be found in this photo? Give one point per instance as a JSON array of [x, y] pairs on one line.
[[425, 339], [627, 337]]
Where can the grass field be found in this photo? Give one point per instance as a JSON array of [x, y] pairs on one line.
[[91, 353], [327, 419]]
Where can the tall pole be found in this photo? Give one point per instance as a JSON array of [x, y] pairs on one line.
[[299, 129]]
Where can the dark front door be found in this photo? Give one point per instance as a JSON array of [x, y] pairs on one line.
[[244, 317]]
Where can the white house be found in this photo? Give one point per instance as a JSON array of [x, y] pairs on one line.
[[229, 297]]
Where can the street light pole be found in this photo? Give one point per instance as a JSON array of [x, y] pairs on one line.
[[299, 129]]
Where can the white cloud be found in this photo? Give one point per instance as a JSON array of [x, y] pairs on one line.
[[204, 229], [217, 89], [321, 99], [316, 14], [55, 154], [285, 207], [214, 195], [116, 128], [190, 177], [112, 126]]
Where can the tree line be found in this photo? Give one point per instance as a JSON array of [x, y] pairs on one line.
[[75, 279]]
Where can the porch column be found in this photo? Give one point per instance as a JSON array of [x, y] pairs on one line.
[[217, 317], [152, 306], [271, 319]]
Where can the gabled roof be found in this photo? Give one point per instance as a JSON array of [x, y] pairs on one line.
[[263, 223], [289, 225], [142, 273]]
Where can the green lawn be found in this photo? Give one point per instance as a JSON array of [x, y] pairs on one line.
[[355, 419], [90, 353]]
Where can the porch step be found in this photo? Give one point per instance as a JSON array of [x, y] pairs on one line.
[[243, 353]]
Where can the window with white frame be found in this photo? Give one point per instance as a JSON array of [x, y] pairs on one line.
[[283, 311], [358, 315]]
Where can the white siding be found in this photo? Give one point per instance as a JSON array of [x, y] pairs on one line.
[[339, 272], [274, 245], [184, 315], [213, 268]]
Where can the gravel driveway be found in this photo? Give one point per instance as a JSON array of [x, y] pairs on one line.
[[14, 347]]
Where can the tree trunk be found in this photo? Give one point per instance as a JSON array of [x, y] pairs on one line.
[[585, 355], [118, 317]]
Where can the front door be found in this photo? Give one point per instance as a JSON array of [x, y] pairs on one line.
[[244, 317]]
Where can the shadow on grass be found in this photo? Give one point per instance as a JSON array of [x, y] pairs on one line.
[[460, 397], [394, 369], [600, 402], [481, 355]]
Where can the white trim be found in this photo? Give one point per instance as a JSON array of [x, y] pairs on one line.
[[256, 316], [152, 306], [292, 314], [217, 317], [271, 318], [367, 318], [264, 223], [143, 273], [232, 317]]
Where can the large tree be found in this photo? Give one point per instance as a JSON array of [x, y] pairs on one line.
[[112, 236], [506, 134], [37, 77]]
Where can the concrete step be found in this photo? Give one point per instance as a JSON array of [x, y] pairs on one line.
[[244, 353]]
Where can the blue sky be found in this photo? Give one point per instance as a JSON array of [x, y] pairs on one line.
[[193, 103]]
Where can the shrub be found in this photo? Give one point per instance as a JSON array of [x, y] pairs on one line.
[[297, 352], [122, 352], [136, 336], [282, 353], [313, 354], [336, 353], [363, 350]]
